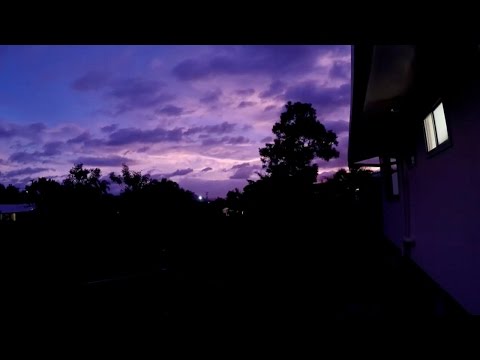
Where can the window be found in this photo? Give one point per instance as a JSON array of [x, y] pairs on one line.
[[435, 127]]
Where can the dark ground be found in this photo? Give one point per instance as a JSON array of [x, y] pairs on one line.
[[228, 269]]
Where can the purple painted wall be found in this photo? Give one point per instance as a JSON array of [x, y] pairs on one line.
[[445, 204]]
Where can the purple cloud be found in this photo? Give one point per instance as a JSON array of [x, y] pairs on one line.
[[24, 131], [109, 128], [322, 98], [338, 126], [83, 137], [113, 160], [236, 140], [211, 96], [273, 60], [221, 128], [129, 93], [341, 70], [276, 88], [269, 107], [24, 171], [143, 149], [244, 170], [245, 92], [266, 140], [206, 169], [245, 104], [128, 136], [52, 148], [93, 80], [179, 172], [49, 149], [170, 110]]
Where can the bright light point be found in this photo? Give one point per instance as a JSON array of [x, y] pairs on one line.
[[200, 197]]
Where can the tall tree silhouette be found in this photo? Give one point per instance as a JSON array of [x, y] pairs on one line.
[[287, 185], [300, 138]]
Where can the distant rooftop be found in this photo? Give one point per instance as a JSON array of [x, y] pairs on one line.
[[15, 208]]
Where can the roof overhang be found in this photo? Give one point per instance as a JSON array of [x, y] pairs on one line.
[[394, 87], [382, 77]]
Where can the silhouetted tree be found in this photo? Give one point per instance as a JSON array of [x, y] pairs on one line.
[[133, 180], [287, 185], [86, 178], [300, 138], [10, 194]]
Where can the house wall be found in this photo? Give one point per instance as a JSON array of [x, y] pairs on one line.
[[445, 203]]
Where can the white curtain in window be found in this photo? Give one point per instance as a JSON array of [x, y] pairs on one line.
[[440, 124], [429, 132]]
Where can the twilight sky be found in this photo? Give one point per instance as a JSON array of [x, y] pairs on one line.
[[196, 114]]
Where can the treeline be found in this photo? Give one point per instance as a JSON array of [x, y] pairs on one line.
[[84, 194]]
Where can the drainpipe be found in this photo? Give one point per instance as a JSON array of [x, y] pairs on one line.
[[408, 241]]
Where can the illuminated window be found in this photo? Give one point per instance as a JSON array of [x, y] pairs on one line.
[[435, 127]]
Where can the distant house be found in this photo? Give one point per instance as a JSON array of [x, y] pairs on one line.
[[416, 115], [8, 212]]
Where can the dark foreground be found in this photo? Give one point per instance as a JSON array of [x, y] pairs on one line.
[[219, 269]]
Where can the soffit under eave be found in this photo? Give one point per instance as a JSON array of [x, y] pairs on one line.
[[390, 78]]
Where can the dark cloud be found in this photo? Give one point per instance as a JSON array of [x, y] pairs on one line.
[[83, 137], [52, 148], [206, 169], [340, 69], [266, 139], [269, 107], [23, 157], [230, 140], [323, 99], [244, 170], [109, 128], [235, 140], [245, 92], [273, 60], [211, 96], [128, 136], [240, 166], [93, 80], [338, 126], [128, 93], [276, 88], [143, 149], [49, 149], [179, 172], [245, 104], [24, 171], [170, 110], [29, 131], [221, 128], [113, 160], [214, 141]]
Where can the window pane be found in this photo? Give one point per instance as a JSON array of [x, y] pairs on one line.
[[440, 124], [429, 132]]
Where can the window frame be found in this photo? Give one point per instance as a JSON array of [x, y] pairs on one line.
[[446, 144]]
